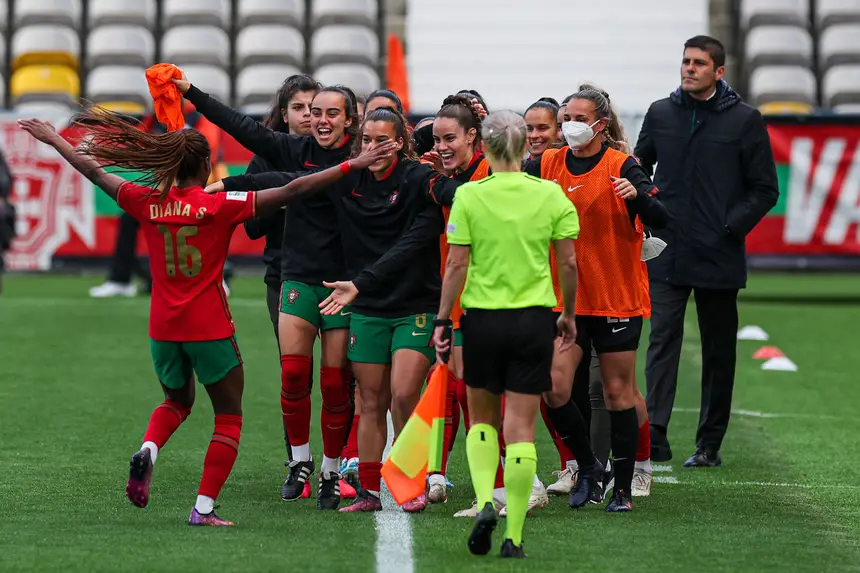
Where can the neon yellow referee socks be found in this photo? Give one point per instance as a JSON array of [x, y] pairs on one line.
[[520, 467], [482, 450]]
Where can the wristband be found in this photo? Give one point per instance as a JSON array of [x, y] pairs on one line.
[[443, 322], [345, 168]]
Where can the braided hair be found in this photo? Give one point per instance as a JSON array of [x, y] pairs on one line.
[[460, 109]]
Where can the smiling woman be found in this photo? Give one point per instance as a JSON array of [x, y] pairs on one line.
[[543, 127]]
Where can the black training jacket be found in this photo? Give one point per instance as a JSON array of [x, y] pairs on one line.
[[717, 178], [270, 226]]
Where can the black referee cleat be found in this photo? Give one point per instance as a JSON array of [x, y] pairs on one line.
[[588, 488], [298, 476], [704, 459], [481, 538], [511, 550]]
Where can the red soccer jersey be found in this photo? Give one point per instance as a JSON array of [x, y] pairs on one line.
[[187, 235]]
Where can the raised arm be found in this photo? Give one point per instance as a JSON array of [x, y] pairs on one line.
[[85, 164]]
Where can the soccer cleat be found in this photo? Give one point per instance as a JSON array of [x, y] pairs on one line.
[[588, 489], [481, 537], [364, 502], [607, 482], [139, 478], [641, 483], [328, 494], [349, 471], [346, 490], [537, 500], [509, 550], [565, 481], [110, 289], [416, 505], [620, 502], [297, 480], [436, 490], [704, 459], [661, 451], [307, 492], [210, 519]]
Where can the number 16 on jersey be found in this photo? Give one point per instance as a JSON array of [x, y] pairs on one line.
[[183, 256]]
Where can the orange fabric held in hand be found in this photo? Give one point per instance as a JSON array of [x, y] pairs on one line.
[[168, 100]]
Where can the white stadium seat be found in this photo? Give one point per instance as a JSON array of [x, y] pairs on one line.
[[196, 45], [2, 51], [327, 12], [45, 44], [847, 108], [830, 12], [2, 91], [118, 83], [132, 12], [344, 44], [258, 84], [269, 44], [256, 109], [361, 79], [196, 13], [120, 45], [59, 12], [782, 83], [841, 85], [4, 13], [211, 80], [778, 45], [256, 12], [839, 44], [43, 109], [774, 12]]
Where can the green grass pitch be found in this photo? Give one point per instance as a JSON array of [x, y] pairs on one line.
[[76, 390]]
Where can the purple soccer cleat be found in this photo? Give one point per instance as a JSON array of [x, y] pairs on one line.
[[208, 519], [364, 502], [139, 477]]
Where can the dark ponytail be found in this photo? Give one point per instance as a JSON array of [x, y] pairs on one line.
[[291, 86], [460, 109], [387, 94]]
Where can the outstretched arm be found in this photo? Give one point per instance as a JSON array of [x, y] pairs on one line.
[[85, 164]]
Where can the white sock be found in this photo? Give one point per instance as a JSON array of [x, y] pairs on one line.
[[301, 453], [500, 496], [153, 450], [573, 465], [330, 464], [204, 504], [644, 466]]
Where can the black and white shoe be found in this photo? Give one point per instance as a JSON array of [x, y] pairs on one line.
[[328, 494], [299, 474]]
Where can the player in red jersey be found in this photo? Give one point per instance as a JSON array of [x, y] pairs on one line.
[[187, 233]]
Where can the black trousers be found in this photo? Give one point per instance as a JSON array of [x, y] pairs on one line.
[[717, 311], [125, 262]]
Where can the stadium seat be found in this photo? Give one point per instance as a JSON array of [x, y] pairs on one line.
[[258, 84], [269, 44], [841, 85], [778, 46], [328, 12], [839, 44], [45, 45], [45, 83], [196, 13], [259, 12], [2, 90], [361, 79], [785, 107], [118, 84], [2, 51], [58, 12], [129, 12], [125, 107], [44, 109], [121, 45], [344, 44], [211, 80], [774, 12], [196, 45], [4, 13], [830, 12], [782, 83], [847, 108]]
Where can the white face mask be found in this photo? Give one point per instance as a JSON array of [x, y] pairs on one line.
[[578, 134], [652, 247]]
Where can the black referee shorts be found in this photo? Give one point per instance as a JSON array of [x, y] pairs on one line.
[[607, 334], [508, 350]]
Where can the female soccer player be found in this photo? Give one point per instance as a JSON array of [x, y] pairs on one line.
[[501, 242], [391, 225], [311, 252], [187, 232], [543, 128], [383, 98], [614, 198]]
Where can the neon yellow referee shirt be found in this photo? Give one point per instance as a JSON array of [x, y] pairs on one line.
[[509, 221]]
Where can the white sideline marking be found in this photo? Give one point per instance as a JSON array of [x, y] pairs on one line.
[[661, 468], [665, 479], [675, 481], [756, 414], [393, 530]]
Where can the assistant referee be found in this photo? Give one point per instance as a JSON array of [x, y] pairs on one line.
[[500, 231]]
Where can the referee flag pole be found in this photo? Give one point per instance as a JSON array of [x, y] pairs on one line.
[[418, 448]]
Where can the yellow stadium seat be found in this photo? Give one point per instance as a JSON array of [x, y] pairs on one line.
[[45, 45], [124, 107], [45, 82], [785, 107]]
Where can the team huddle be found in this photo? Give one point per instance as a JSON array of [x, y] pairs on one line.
[[362, 222]]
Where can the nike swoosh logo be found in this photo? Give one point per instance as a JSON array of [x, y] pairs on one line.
[[614, 330], [345, 313], [309, 164], [418, 334], [572, 189], [354, 194]]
